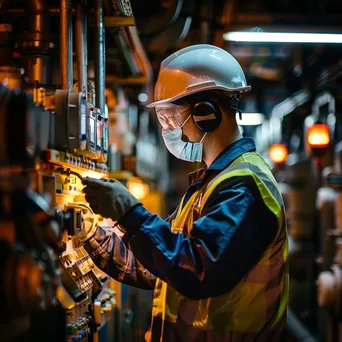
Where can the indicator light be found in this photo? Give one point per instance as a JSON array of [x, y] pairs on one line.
[[278, 153]]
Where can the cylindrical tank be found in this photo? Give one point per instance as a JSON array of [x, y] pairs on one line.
[[301, 181], [326, 198]]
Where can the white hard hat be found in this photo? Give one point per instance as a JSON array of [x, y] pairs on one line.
[[198, 68]]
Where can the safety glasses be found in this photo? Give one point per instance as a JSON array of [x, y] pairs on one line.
[[171, 115]]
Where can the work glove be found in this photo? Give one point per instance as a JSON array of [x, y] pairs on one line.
[[108, 197]]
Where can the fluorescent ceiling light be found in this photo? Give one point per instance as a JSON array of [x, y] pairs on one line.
[[250, 119], [282, 37]]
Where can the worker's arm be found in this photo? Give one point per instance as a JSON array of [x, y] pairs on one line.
[[225, 243], [110, 253]]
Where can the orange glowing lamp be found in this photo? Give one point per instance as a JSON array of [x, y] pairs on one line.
[[278, 153], [318, 136]]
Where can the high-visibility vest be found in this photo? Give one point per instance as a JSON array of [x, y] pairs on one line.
[[256, 307]]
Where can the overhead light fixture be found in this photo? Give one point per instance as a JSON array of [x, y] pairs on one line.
[[282, 37], [250, 119]]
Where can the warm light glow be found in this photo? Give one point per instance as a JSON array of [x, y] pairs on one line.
[[250, 119], [318, 136], [278, 153], [282, 37], [92, 174], [137, 188]]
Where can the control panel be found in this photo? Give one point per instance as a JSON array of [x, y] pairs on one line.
[[80, 276], [79, 322], [85, 295]]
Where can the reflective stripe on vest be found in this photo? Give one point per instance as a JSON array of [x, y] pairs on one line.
[[258, 302]]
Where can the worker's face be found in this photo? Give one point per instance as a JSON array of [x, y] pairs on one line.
[[171, 116], [190, 131], [180, 135]]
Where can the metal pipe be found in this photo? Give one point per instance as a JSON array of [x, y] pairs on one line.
[[297, 329], [81, 27], [85, 39], [142, 56], [37, 62], [38, 68], [38, 16], [66, 44], [206, 22], [100, 72]]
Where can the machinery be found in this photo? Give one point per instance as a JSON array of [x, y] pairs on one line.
[[304, 149], [74, 78], [54, 131]]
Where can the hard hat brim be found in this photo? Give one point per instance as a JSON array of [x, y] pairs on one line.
[[194, 91]]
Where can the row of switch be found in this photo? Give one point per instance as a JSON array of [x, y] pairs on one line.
[[85, 163], [79, 329], [52, 156], [80, 336], [81, 323]]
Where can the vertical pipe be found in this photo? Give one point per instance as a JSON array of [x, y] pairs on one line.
[[99, 57], [39, 16], [66, 44], [85, 40], [38, 64], [81, 27], [38, 68], [206, 21], [70, 37]]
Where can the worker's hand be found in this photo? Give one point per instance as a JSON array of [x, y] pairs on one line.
[[108, 197]]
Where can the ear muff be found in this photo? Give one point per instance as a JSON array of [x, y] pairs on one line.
[[206, 116]]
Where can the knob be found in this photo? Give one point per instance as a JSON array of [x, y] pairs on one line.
[[128, 316], [72, 329], [108, 305]]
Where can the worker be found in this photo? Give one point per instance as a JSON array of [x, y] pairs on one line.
[[218, 265]]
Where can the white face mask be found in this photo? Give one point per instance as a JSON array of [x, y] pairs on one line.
[[188, 151]]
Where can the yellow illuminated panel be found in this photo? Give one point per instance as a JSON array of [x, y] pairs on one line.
[[318, 136], [278, 153], [137, 188]]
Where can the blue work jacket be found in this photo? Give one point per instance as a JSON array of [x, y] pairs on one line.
[[149, 247]]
